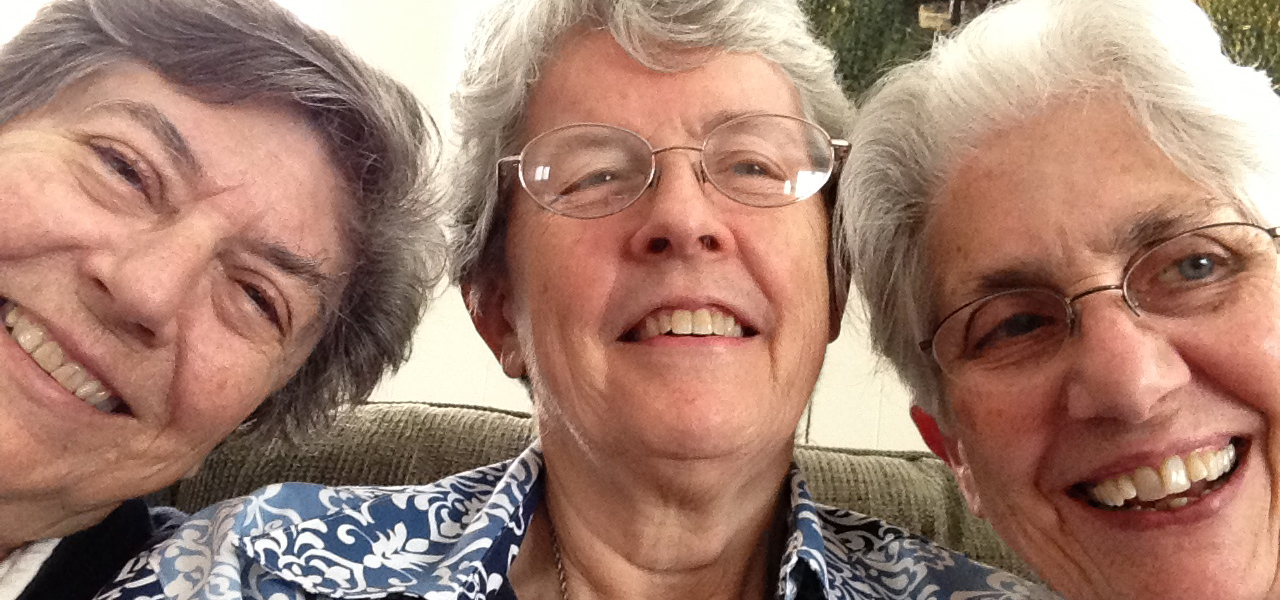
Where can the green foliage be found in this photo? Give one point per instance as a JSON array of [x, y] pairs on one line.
[[871, 36], [868, 36], [1250, 31]]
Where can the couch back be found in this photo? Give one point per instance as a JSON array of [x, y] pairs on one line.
[[399, 443]]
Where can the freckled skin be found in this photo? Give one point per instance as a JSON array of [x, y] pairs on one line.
[[148, 288], [1050, 194]]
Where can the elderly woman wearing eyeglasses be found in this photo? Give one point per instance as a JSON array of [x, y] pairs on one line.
[[644, 230], [1072, 204]]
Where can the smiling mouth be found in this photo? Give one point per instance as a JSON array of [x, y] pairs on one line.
[[49, 355], [702, 322], [1177, 482]]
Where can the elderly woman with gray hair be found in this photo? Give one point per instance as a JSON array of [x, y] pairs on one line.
[[644, 226], [187, 189], [1063, 221]]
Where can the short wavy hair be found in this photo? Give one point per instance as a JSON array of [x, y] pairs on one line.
[[228, 51], [1218, 122], [514, 40]]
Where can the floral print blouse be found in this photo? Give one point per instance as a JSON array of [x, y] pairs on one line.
[[456, 538]]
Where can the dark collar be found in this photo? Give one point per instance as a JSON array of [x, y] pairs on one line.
[[87, 560]]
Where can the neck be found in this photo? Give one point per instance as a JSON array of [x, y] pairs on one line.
[[24, 521], [666, 529]]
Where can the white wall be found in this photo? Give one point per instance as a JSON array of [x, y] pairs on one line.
[[857, 403]]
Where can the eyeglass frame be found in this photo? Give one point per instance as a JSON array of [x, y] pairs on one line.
[[926, 346], [837, 147]]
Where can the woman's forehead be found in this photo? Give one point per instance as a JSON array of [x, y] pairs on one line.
[[1076, 189], [591, 78]]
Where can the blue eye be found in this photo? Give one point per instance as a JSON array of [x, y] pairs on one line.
[[1200, 266]]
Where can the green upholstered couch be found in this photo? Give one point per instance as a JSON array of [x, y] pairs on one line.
[[405, 442]]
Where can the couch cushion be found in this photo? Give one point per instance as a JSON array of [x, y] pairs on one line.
[[398, 443]]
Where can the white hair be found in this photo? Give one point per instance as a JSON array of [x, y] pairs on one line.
[[1219, 123], [514, 39]]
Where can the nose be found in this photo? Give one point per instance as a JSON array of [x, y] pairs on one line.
[[138, 286], [1122, 369], [682, 214]]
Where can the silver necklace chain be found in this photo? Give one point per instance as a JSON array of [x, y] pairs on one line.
[[555, 549]]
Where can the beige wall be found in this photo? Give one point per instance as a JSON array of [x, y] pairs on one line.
[[857, 404]]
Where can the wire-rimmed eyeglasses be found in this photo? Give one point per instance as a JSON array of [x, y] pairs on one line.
[[1201, 271], [590, 170]]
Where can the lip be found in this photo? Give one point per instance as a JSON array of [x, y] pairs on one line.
[[1197, 512], [636, 319], [41, 385]]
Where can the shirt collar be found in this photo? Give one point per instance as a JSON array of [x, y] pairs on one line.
[[447, 537], [460, 535]]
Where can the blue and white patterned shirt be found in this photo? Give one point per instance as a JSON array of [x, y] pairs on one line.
[[456, 538]]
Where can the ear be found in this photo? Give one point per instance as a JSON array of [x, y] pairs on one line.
[[937, 442], [951, 451], [490, 310]]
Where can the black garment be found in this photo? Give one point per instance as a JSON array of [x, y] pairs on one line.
[[87, 560]]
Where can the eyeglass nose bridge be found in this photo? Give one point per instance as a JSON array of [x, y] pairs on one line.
[[655, 174], [1073, 316]]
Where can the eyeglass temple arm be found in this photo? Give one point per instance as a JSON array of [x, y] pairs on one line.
[[840, 149], [504, 162]]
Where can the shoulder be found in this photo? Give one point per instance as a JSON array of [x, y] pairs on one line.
[[294, 539], [874, 559]]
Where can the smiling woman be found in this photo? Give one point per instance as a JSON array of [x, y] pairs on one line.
[[1063, 223], [179, 232], [644, 221]]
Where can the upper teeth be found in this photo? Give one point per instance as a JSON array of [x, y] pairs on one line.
[[1174, 476], [37, 342], [703, 321]]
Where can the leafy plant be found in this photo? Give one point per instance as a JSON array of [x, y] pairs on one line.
[[868, 36], [1250, 31], [871, 36]]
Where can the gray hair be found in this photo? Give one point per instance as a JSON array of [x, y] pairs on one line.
[[512, 42], [1219, 123], [228, 51]]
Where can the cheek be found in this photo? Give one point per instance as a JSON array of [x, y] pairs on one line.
[[1238, 353], [218, 383], [40, 212], [558, 291], [794, 255], [1005, 435]]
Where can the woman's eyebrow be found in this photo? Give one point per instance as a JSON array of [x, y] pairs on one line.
[[160, 127], [1014, 277], [723, 116], [1169, 218]]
